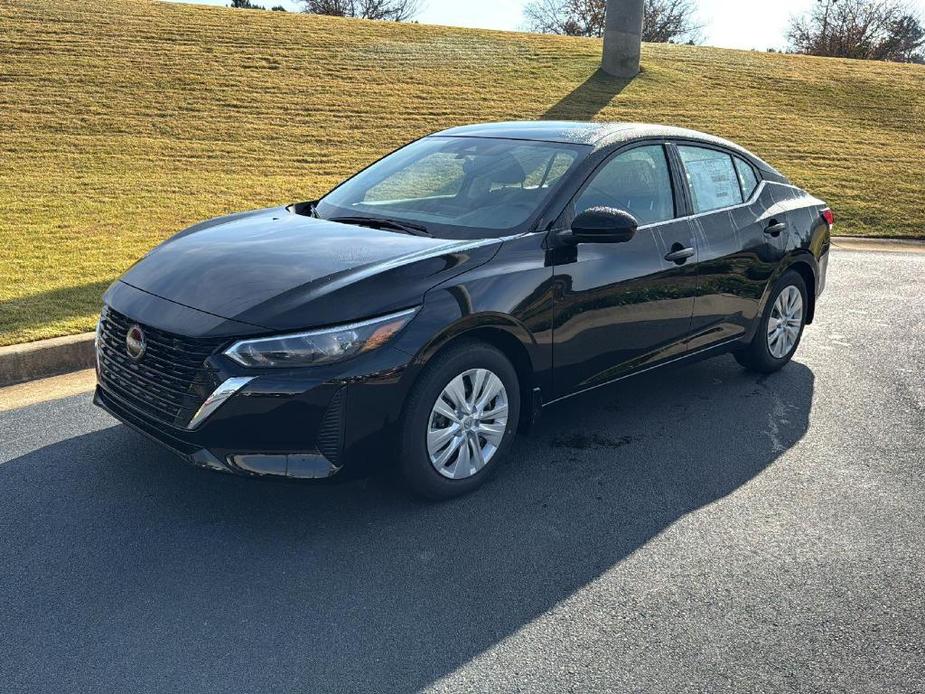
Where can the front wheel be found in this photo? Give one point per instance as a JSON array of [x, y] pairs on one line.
[[459, 421], [781, 327]]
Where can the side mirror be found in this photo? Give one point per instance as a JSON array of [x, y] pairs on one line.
[[603, 225]]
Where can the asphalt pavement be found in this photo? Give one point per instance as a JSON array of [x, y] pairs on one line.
[[699, 529]]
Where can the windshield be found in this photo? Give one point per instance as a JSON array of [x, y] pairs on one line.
[[456, 187]]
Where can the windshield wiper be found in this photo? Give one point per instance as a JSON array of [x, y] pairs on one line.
[[383, 223]]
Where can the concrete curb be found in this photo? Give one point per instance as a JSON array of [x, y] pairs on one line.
[[861, 243], [43, 358]]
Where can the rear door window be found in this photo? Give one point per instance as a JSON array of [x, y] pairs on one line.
[[711, 178]]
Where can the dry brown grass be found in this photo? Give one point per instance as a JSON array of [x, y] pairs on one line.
[[124, 121]]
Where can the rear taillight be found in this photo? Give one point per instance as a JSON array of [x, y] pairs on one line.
[[829, 217]]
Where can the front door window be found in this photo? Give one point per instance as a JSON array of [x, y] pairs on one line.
[[637, 181]]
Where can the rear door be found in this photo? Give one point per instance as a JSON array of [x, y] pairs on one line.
[[620, 307], [738, 246]]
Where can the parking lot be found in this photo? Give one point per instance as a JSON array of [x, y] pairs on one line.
[[698, 529]]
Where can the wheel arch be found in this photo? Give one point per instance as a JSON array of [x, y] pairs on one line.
[[506, 335], [804, 263], [806, 270]]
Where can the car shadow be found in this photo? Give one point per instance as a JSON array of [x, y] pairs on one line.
[[124, 569], [587, 99]]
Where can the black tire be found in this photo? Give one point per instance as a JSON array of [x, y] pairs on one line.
[[757, 356], [414, 460]]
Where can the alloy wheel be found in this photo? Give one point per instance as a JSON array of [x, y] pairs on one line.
[[467, 423], [785, 322]]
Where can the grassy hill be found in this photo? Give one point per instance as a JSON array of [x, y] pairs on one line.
[[125, 120]]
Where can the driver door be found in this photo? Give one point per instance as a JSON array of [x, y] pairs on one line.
[[622, 307]]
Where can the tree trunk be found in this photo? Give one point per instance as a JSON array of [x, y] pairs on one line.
[[622, 38]]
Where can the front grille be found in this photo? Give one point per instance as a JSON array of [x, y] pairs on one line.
[[168, 383]]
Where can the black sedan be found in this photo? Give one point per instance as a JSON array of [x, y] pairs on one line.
[[429, 306]]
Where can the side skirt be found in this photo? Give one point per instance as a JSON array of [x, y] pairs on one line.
[[702, 353]]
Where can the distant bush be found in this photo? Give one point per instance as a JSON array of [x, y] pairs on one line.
[[248, 5]]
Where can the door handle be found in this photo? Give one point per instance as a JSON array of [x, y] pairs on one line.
[[775, 228], [679, 254]]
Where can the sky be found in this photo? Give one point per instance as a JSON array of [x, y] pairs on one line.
[[758, 24]]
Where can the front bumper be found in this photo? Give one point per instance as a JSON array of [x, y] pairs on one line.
[[313, 422], [306, 425], [303, 464]]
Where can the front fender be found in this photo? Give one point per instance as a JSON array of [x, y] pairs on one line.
[[507, 301], [446, 306], [449, 316]]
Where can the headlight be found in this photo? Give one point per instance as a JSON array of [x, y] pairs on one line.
[[319, 346]]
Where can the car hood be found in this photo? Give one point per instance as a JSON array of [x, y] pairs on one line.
[[283, 271]]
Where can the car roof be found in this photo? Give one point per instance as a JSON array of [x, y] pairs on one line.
[[571, 132], [595, 134]]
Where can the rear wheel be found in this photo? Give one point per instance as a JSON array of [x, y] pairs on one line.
[[459, 421], [781, 327]]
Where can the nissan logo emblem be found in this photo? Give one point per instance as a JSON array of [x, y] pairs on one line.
[[135, 343]]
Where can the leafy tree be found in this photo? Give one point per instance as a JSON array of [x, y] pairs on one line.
[[664, 21], [246, 5], [392, 10], [862, 29]]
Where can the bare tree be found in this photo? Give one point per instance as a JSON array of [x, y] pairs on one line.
[[569, 17], [862, 29], [664, 21], [391, 10], [669, 21]]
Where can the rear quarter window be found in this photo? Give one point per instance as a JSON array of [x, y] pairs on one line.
[[747, 178]]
